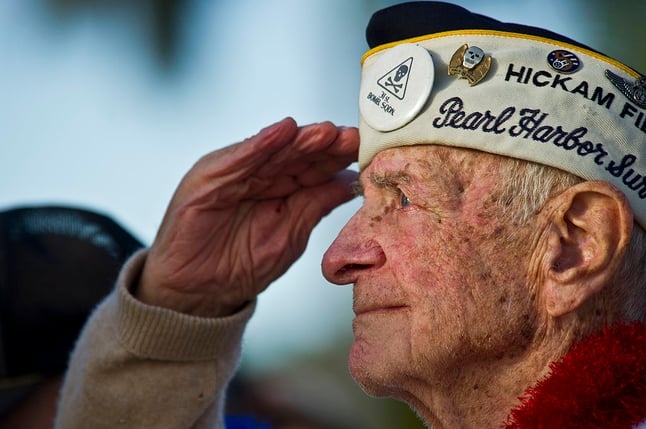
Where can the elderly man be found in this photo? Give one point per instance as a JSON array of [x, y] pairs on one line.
[[497, 260]]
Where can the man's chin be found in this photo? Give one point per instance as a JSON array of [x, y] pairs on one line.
[[370, 374]]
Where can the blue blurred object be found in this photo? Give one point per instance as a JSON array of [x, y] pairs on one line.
[[244, 422]]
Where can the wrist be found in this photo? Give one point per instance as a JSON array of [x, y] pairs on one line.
[[152, 293]]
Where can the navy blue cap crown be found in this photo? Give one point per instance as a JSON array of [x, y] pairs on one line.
[[413, 19]]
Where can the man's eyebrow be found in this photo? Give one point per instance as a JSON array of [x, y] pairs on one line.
[[388, 180]]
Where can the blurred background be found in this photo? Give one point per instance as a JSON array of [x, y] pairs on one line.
[[105, 104]]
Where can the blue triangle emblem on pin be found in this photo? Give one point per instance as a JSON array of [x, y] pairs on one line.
[[396, 80]]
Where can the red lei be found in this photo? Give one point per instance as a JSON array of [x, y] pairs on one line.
[[600, 383]]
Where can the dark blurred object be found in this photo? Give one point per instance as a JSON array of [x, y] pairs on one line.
[[56, 264], [162, 20]]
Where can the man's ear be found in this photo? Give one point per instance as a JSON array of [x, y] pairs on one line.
[[589, 230]]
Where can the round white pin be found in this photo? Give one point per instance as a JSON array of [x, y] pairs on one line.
[[395, 88]]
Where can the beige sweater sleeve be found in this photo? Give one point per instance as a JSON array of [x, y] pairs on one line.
[[138, 366]]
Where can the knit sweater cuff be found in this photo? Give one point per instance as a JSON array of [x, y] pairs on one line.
[[159, 333]]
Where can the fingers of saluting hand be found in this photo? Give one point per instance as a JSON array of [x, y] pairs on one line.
[[323, 146], [279, 160]]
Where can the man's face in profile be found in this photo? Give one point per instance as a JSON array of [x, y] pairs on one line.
[[440, 279]]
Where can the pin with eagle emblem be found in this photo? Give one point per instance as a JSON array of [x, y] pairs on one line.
[[470, 63], [635, 91]]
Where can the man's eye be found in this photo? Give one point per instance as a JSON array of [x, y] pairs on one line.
[[404, 201]]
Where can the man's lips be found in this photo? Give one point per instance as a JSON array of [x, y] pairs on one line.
[[378, 309]]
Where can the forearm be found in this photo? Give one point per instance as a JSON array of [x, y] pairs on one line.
[[147, 367]]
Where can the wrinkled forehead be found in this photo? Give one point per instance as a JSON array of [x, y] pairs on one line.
[[406, 158], [436, 176], [429, 162]]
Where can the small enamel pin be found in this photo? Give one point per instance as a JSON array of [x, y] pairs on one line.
[[635, 91], [470, 63], [563, 61]]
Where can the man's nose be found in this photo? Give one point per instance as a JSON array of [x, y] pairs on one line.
[[355, 251]]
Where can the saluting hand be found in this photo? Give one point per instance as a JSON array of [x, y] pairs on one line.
[[243, 214]]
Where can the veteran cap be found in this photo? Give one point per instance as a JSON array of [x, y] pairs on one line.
[[439, 74]]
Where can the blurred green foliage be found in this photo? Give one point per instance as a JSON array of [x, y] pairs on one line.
[[617, 29]]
